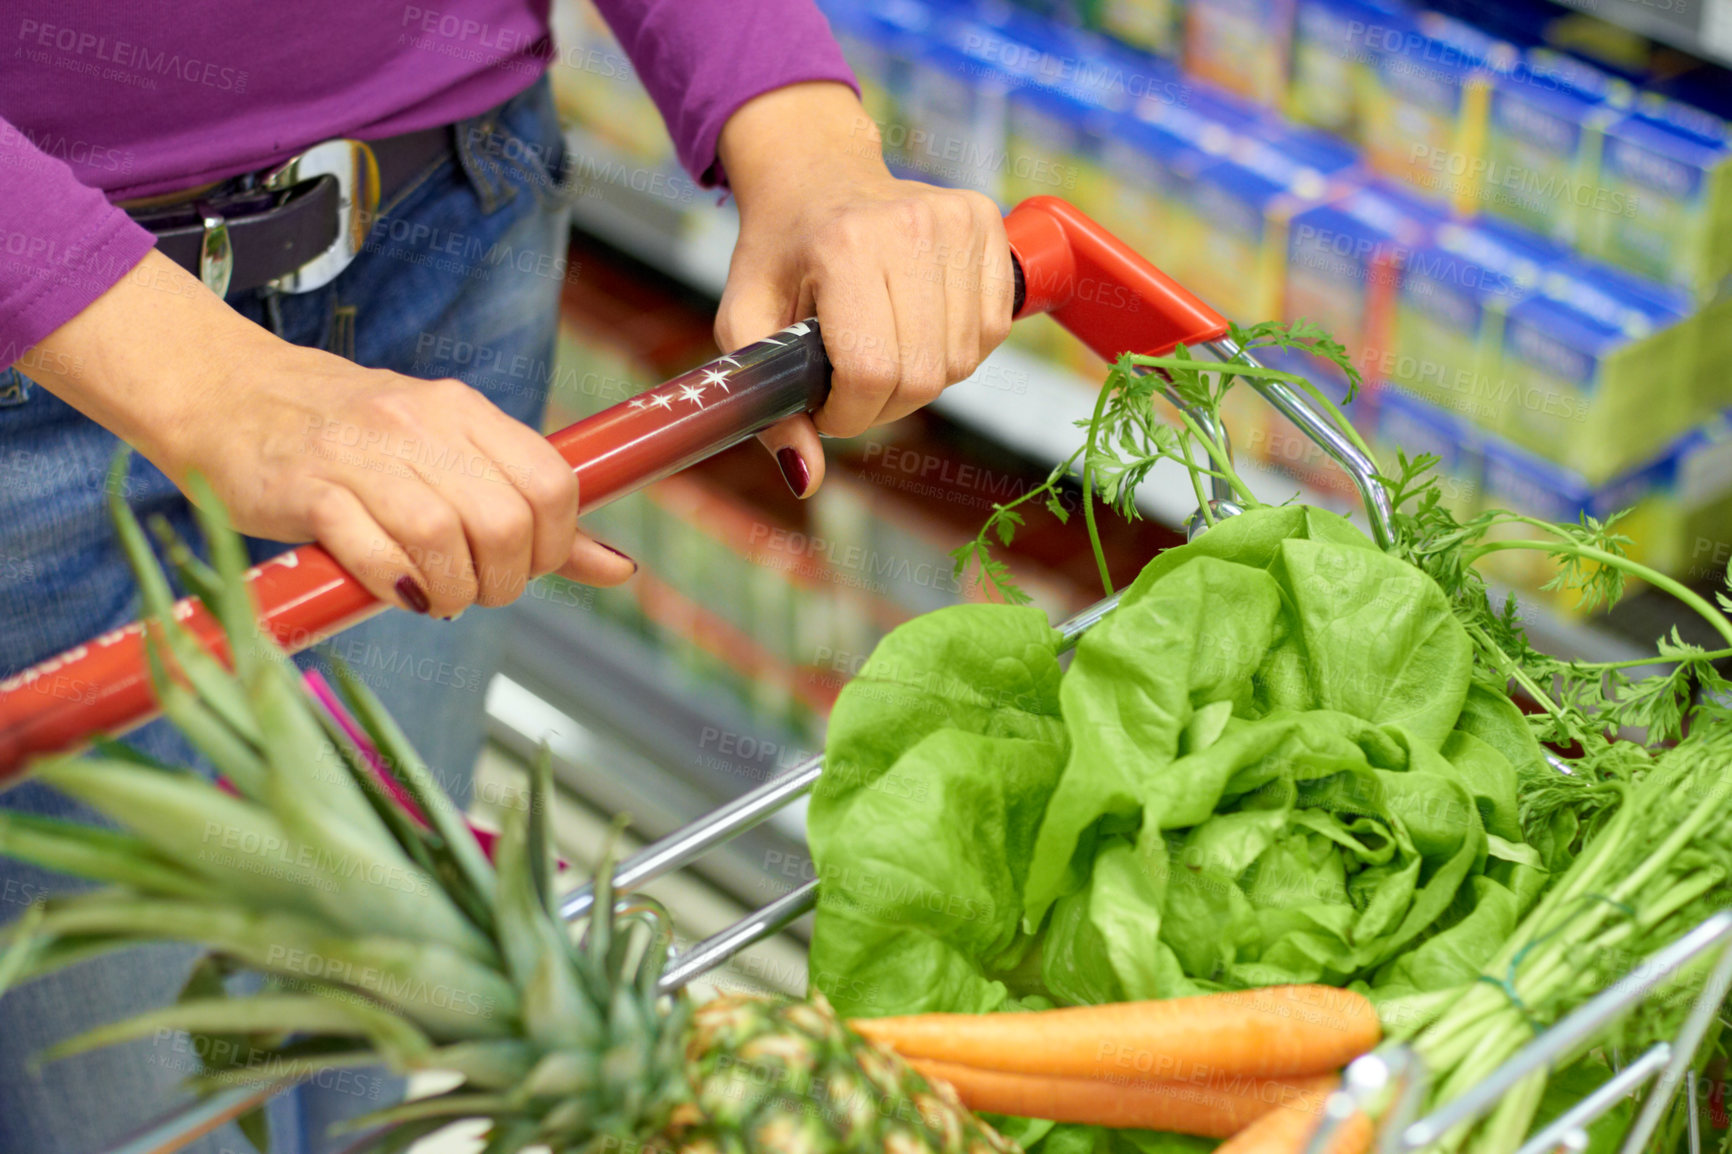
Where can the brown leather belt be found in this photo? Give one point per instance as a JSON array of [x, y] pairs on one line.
[[296, 226]]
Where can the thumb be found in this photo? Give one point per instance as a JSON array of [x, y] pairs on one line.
[[753, 307]]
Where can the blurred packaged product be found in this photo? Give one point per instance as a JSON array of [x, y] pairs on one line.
[[1678, 503], [1702, 494], [1543, 143], [1152, 25], [595, 86], [1241, 45], [1671, 166], [1456, 292], [1407, 424], [1157, 162], [880, 42], [1245, 202], [1344, 262], [1599, 368], [1055, 144], [1332, 58], [1170, 144], [1425, 115]]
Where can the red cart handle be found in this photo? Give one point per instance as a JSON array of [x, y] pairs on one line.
[[1065, 264]]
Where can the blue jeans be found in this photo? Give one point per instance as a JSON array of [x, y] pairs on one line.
[[460, 277]]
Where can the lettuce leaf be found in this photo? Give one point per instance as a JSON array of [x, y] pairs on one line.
[[1269, 764], [939, 762]]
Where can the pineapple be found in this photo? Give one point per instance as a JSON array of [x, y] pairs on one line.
[[387, 940]]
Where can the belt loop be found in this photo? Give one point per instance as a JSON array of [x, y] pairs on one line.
[[484, 177]]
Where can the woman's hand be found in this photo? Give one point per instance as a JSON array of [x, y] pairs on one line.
[[423, 490], [911, 283]]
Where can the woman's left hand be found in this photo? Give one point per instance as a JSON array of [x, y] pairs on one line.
[[911, 283]]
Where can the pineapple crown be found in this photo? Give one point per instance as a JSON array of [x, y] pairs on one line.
[[382, 939]]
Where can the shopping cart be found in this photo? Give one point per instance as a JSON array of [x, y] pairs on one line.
[[1068, 267]]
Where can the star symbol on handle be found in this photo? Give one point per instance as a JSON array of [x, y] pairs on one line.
[[717, 378], [728, 361], [692, 393], [662, 401], [640, 402]]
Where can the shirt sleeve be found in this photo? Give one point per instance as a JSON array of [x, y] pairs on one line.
[[702, 59], [61, 243]]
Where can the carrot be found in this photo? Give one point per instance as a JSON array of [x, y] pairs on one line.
[[1274, 1032], [1208, 1111], [1287, 1130]]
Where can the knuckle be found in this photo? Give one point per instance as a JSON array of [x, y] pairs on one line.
[[549, 490], [916, 216], [957, 210], [841, 233], [432, 523], [921, 383], [326, 509], [503, 529], [957, 367]]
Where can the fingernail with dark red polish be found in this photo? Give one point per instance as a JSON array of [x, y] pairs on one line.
[[412, 594], [794, 470], [617, 553]]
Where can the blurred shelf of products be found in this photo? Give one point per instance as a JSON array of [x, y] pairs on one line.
[[1518, 218]]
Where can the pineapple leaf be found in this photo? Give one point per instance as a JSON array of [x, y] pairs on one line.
[[537, 949], [450, 1106], [555, 1011], [285, 1065], [412, 774], [52, 953], [396, 1039], [451, 996], [152, 583], [499, 1064], [233, 606], [199, 579], [231, 752], [540, 829], [215, 687], [215, 1051], [300, 753], [366, 885], [15, 962], [237, 845], [409, 835], [510, 1135], [95, 853], [120, 751], [561, 1074], [516, 913]]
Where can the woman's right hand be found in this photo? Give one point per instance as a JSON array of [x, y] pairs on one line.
[[423, 490]]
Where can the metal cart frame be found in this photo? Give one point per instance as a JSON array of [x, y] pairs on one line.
[[1059, 256]]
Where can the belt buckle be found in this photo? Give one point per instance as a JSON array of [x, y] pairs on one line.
[[352, 165]]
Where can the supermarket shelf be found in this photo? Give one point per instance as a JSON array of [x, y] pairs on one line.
[[1700, 27], [1016, 398], [690, 241], [630, 731]]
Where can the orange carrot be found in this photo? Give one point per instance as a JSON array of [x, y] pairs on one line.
[[1286, 1130], [1274, 1032], [1208, 1110]]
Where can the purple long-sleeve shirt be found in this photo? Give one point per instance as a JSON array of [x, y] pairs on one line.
[[102, 102]]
